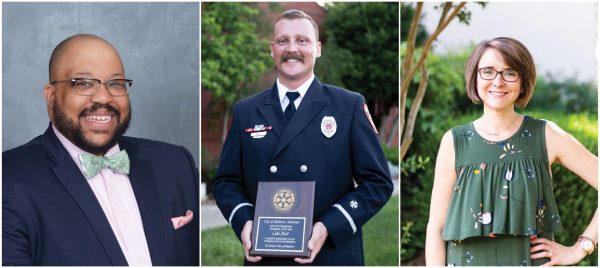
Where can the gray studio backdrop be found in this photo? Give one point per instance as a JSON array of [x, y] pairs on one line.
[[158, 43]]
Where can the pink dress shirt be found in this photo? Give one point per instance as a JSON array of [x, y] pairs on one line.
[[117, 199]]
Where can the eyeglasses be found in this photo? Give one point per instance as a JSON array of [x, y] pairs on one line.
[[490, 74], [90, 86]]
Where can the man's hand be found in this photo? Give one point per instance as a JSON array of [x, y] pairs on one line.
[[319, 234], [247, 242]]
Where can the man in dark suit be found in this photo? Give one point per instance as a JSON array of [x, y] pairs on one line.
[[303, 130], [81, 193]]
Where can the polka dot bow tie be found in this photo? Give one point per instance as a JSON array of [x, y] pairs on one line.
[[93, 164]]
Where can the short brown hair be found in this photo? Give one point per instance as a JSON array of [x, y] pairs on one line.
[[515, 55], [297, 14]]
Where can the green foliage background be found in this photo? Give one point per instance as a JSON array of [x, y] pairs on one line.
[[361, 55], [361, 52], [234, 52], [567, 102]]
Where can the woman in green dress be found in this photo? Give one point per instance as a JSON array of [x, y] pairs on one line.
[[492, 201]]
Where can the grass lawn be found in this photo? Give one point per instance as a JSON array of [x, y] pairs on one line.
[[380, 236], [220, 246]]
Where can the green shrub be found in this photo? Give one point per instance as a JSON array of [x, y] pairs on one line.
[[577, 200], [391, 154], [208, 169], [569, 95], [361, 52]]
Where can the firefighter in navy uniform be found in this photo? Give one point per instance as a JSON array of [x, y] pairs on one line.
[[303, 130]]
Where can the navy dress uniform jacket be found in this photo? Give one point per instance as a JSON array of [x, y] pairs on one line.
[[50, 215], [298, 150]]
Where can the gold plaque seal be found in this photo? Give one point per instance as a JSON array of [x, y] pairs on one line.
[[284, 200]]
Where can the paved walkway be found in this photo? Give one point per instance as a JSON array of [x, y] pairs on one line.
[[212, 217]]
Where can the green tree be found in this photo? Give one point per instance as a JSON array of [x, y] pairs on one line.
[[414, 62], [406, 15], [361, 52], [234, 53]]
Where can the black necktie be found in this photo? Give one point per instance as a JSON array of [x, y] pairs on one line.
[[291, 108]]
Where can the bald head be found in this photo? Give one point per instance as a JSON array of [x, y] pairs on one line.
[[76, 41]]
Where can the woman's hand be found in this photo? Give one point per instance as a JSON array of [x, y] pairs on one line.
[[557, 253]]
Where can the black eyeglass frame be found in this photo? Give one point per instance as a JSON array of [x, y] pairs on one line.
[[74, 80], [498, 72]]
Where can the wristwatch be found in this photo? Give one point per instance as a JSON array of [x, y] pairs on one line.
[[586, 244]]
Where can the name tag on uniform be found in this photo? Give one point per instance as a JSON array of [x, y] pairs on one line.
[[258, 135], [258, 131]]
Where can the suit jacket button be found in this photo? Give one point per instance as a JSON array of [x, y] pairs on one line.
[[303, 168], [273, 169]]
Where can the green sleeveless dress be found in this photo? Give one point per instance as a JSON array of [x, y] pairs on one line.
[[502, 198]]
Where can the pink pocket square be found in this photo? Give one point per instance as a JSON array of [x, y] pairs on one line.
[[182, 220]]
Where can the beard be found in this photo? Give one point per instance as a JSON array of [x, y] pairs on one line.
[[73, 132]]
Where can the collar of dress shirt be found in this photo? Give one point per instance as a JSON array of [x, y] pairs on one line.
[[301, 89], [75, 151]]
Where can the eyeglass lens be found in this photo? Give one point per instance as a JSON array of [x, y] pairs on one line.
[[490, 74], [89, 87]]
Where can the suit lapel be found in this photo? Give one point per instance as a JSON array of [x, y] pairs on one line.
[[271, 111], [75, 183], [143, 182], [312, 103]]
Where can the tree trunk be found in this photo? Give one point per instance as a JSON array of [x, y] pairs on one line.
[[414, 109], [409, 70], [408, 61]]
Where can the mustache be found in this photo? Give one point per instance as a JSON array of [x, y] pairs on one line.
[[98, 106], [292, 56]]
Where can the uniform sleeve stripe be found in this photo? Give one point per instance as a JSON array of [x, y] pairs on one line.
[[350, 220], [236, 209]]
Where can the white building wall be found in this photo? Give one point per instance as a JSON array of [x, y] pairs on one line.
[[562, 36]]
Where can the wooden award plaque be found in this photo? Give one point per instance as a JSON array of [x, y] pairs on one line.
[[283, 218]]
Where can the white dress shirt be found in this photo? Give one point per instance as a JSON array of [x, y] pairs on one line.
[[283, 99], [117, 199]]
